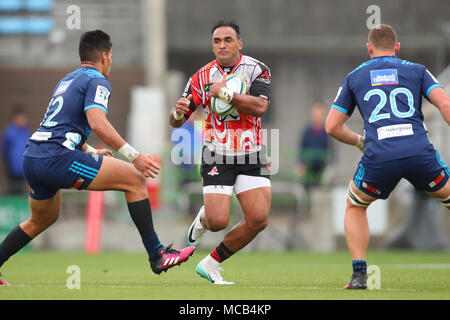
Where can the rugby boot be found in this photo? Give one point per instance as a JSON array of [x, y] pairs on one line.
[[358, 280], [170, 258], [196, 230], [210, 269], [3, 282]]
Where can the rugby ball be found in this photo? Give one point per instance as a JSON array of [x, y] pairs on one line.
[[236, 83]]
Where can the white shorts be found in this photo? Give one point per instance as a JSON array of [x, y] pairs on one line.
[[243, 183]]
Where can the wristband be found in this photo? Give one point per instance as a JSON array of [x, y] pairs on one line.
[[360, 145], [90, 150], [177, 116], [226, 94], [129, 152]]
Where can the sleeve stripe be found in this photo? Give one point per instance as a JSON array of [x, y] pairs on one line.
[[432, 87], [339, 108], [96, 106]]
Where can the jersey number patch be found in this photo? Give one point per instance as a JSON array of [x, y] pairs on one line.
[[48, 118], [376, 115]]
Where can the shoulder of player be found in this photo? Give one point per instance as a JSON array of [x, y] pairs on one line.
[[252, 62], [96, 81]]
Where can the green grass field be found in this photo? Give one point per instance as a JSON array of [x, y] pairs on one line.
[[258, 276]]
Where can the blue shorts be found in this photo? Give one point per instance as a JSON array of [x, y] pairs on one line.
[[72, 169], [377, 179]]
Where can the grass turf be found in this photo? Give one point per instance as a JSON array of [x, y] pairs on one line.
[[257, 275]]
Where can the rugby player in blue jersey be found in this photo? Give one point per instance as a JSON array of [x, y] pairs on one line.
[[57, 157], [388, 92]]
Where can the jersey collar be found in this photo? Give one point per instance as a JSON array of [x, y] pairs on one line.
[[232, 70]]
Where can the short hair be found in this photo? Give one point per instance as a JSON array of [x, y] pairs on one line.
[[226, 23], [383, 37], [93, 44]]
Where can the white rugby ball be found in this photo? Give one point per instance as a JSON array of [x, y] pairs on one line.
[[236, 83]]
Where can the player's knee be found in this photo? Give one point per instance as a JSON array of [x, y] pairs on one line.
[[43, 220], [137, 184], [216, 222], [259, 222]]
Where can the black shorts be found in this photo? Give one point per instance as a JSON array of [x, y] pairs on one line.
[[218, 170]]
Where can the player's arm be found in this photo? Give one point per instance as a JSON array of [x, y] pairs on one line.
[[335, 126], [441, 100], [249, 104], [107, 133], [177, 114]]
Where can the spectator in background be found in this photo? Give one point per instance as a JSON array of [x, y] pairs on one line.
[[14, 141], [314, 149]]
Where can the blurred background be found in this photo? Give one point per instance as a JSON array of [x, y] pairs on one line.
[[309, 46]]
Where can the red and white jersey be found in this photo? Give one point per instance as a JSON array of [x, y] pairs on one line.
[[237, 133]]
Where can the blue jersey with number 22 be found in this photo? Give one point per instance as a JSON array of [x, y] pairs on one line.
[[388, 92], [65, 126]]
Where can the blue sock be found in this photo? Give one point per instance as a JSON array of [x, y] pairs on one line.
[[359, 265], [152, 244]]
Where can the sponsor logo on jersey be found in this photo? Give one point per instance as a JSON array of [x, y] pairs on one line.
[[102, 96], [63, 87], [207, 87], [383, 77], [396, 130]]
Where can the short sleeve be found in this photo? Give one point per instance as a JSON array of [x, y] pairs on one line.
[[345, 99], [429, 82], [193, 87], [98, 92], [260, 87]]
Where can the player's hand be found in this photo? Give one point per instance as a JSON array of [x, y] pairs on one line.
[[105, 152], [216, 86], [146, 165], [360, 144], [182, 105]]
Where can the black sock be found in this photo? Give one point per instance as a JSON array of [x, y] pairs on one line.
[[359, 265], [14, 241], [221, 253], [141, 214]]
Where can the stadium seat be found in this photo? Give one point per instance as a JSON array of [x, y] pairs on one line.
[[39, 5], [12, 25], [10, 5], [39, 25]]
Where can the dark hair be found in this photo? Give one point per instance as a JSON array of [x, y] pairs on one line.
[[226, 23], [383, 37], [93, 44]]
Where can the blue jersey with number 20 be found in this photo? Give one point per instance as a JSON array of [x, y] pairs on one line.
[[388, 92], [65, 126]]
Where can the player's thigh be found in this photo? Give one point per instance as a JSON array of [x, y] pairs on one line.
[[115, 174], [43, 214], [46, 209], [255, 196], [217, 209]]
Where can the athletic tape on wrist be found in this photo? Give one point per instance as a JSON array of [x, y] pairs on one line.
[[90, 150], [226, 94], [360, 145], [129, 152], [177, 116]]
